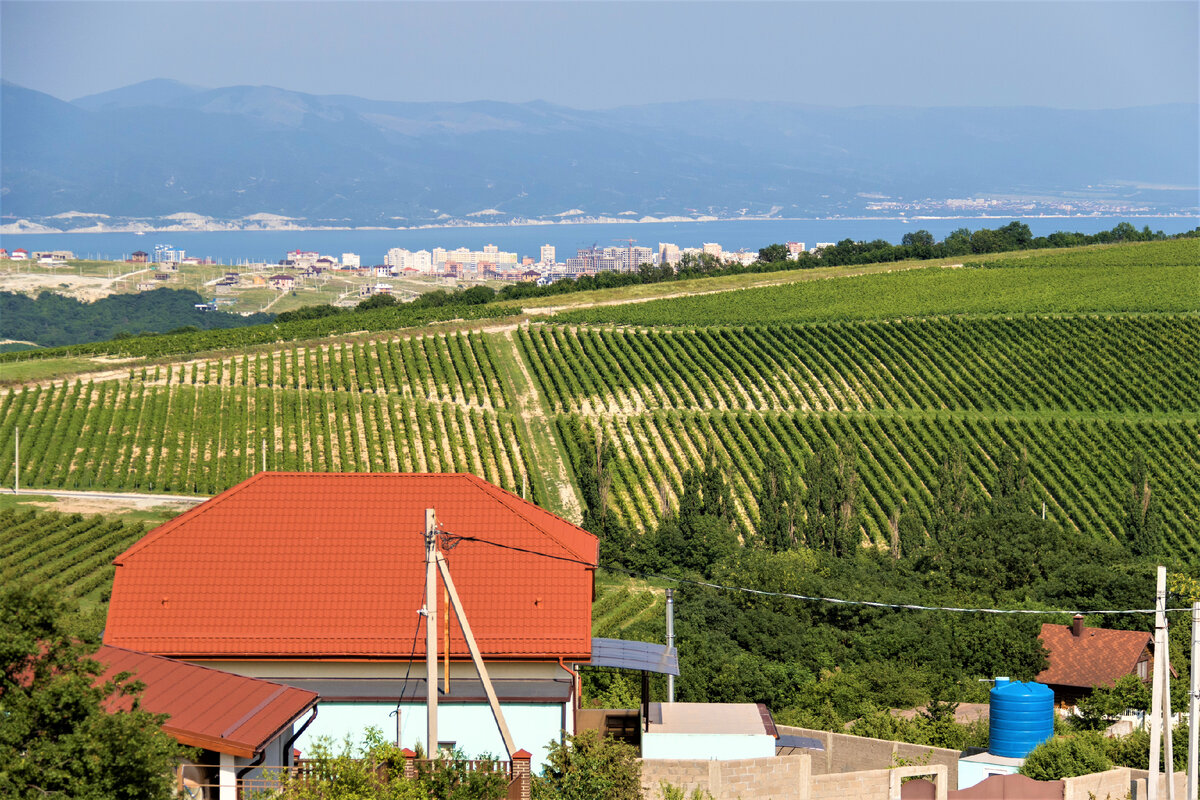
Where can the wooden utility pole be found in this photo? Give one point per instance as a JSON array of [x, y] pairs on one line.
[[446, 641], [16, 460], [1194, 710], [431, 640], [1156, 688], [476, 656]]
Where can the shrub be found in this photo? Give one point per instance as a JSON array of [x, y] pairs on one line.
[[587, 767], [1067, 757]]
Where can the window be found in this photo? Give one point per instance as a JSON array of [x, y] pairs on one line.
[[1143, 668]]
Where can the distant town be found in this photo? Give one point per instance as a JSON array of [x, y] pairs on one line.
[[344, 279]]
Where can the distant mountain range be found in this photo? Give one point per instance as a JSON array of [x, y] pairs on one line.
[[256, 155]]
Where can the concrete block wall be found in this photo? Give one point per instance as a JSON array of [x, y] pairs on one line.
[[864, 785], [1139, 777], [777, 778], [1111, 785], [846, 753]]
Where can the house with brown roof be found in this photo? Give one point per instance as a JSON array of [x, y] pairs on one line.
[[1082, 659], [236, 723], [316, 581]]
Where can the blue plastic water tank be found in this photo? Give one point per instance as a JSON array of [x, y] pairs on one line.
[[1022, 717]]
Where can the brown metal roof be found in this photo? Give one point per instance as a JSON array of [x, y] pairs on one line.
[[1096, 657], [207, 707]]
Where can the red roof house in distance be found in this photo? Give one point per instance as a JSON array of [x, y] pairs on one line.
[[1081, 659], [235, 721], [316, 580]]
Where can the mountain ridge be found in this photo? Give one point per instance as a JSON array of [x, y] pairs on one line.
[[152, 148]]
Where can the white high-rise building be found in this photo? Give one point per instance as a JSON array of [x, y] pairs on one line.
[[668, 253], [350, 260], [547, 255], [794, 249], [400, 259], [713, 249]]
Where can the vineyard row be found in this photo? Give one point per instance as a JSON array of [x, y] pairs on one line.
[[133, 436], [1144, 364], [455, 368], [69, 553]]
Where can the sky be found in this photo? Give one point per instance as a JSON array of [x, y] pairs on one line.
[[1082, 54]]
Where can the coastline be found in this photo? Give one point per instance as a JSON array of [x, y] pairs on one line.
[[216, 226]]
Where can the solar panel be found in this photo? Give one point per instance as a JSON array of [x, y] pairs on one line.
[[642, 656], [799, 742]]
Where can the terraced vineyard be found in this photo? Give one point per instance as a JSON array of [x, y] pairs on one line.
[[457, 368], [69, 553], [1140, 363], [422, 404]]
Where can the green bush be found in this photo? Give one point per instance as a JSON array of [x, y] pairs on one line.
[[587, 767], [1066, 757], [375, 771]]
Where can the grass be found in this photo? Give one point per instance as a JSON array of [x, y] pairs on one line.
[[17, 372]]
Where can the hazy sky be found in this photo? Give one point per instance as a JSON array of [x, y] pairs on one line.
[[603, 54]]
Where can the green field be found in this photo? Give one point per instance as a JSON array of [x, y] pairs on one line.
[[1156, 276]]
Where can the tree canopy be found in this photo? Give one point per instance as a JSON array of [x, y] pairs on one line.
[[59, 738]]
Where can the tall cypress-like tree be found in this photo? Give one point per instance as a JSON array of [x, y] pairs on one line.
[[1142, 521], [831, 501]]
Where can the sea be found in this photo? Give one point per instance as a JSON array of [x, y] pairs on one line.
[[237, 247]]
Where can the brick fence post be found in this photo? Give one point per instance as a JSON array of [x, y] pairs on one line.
[[410, 769], [521, 772]]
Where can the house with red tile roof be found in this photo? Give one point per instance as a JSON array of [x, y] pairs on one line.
[[1082, 659], [316, 581], [237, 723]]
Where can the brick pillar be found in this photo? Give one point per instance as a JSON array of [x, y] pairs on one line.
[[410, 769], [521, 772]]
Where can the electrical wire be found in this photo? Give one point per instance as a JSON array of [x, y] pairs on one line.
[[411, 656], [456, 538]]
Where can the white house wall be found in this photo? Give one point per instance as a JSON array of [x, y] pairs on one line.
[[469, 725]]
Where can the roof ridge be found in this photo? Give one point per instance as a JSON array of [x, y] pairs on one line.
[[154, 534], [503, 496]]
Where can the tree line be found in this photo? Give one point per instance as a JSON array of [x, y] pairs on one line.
[[828, 665], [52, 320]]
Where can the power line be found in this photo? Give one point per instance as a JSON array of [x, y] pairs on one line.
[[456, 538]]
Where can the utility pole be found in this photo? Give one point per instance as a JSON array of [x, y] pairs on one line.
[[431, 622], [670, 641], [16, 460], [476, 656], [1156, 687], [1168, 749], [264, 455], [1194, 710]]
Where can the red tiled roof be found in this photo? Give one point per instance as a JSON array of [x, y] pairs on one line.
[[303, 565], [209, 708], [1095, 658]]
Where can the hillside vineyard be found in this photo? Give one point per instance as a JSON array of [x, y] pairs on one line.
[[1077, 393]]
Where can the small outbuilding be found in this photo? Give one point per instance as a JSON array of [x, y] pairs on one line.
[[239, 724]]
